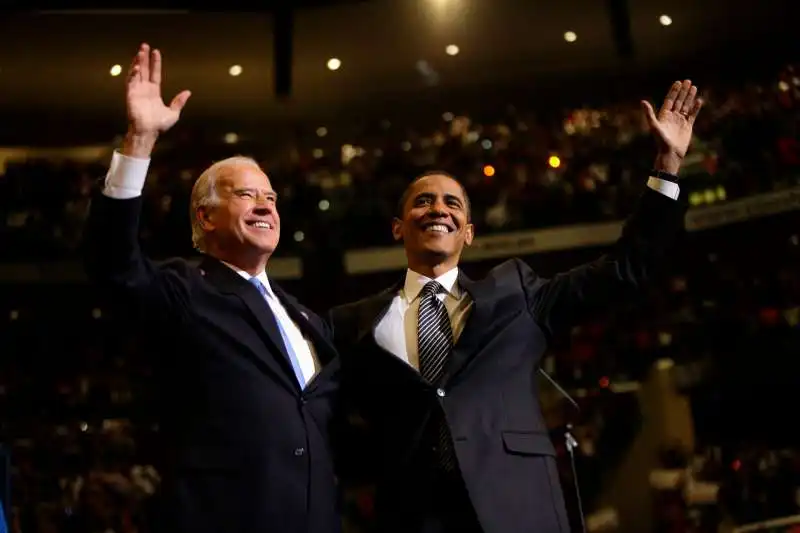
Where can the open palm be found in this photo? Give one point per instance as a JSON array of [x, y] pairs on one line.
[[673, 124], [147, 113]]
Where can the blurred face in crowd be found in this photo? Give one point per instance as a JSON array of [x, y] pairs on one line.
[[434, 224], [241, 223]]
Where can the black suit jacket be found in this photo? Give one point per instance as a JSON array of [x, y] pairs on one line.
[[247, 449], [489, 391]]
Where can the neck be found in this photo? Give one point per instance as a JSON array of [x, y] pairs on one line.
[[431, 269], [254, 264]]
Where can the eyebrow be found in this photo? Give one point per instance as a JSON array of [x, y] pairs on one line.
[[447, 196], [267, 193]]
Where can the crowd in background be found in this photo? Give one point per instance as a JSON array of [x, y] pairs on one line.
[[77, 394], [524, 169]]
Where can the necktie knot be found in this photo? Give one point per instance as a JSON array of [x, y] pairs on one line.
[[258, 285], [432, 288]]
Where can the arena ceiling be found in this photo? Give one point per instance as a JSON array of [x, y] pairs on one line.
[[59, 61]]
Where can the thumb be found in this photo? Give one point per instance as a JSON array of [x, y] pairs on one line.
[[649, 113], [180, 100]]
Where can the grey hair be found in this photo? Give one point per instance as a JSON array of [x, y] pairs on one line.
[[205, 194]]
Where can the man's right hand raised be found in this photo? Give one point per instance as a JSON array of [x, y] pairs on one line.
[[148, 116]]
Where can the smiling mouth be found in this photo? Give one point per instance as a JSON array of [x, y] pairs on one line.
[[260, 225], [437, 228]]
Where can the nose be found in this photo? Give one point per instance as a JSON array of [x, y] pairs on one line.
[[262, 209], [264, 205], [437, 208]]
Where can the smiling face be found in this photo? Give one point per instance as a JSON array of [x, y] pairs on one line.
[[434, 224], [243, 226]]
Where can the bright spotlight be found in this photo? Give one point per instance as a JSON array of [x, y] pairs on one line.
[[116, 70], [570, 37], [451, 50], [665, 20], [334, 63], [235, 70]]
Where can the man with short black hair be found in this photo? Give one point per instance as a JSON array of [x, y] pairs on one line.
[[443, 367]]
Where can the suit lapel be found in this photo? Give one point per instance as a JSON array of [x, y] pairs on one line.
[[373, 312], [325, 351], [229, 282], [369, 316], [477, 324]]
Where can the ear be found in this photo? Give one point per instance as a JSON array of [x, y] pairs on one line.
[[397, 229], [469, 234], [205, 217]]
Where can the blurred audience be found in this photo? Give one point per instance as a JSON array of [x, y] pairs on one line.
[[81, 410], [521, 171]]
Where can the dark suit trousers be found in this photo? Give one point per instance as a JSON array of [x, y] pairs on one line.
[[447, 508]]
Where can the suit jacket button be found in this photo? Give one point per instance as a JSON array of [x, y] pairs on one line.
[[299, 451], [441, 393]]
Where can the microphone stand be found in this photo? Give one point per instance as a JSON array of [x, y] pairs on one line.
[[570, 444]]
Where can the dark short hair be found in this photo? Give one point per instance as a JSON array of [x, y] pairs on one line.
[[401, 204]]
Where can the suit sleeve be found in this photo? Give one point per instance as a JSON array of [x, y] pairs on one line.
[[564, 300], [113, 258]]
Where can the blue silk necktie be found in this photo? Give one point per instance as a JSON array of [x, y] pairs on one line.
[[286, 343]]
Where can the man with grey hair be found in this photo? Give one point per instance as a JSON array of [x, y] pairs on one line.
[[248, 375]]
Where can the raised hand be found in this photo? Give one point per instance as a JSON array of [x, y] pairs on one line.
[[147, 113], [672, 126]]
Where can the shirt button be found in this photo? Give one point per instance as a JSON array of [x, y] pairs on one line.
[[299, 451], [440, 393]]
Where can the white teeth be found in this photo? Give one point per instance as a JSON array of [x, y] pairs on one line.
[[265, 225], [441, 228]]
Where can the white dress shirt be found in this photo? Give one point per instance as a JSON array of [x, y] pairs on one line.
[[397, 330], [303, 348], [125, 180]]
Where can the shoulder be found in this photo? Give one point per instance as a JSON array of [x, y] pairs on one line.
[[351, 308], [179, 264], [350, 316], [512, 270], [178, 267], [351, 311]]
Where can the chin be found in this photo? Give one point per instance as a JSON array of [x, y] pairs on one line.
[[265, 247], [437, 252]]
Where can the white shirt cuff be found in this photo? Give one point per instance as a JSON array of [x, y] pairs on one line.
[[126, 177], [667, 188]]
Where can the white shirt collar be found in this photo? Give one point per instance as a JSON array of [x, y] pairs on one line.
[[415, 282], [262, 277]]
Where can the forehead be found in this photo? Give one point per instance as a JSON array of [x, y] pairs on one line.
[[438, 184], [241, 176]]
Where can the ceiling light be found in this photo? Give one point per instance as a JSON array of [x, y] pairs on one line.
[[116, 70], [322, 131], [570, 37], [334, 63], [451, 50], [665, 20], [235, 70]]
